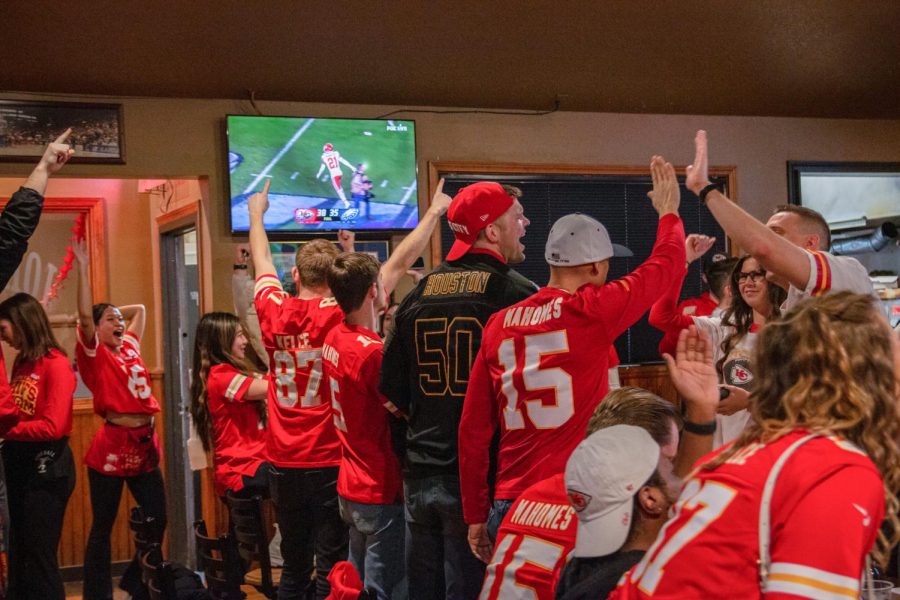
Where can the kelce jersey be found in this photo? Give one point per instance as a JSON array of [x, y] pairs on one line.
[[301, 432], [533, 544], [829, 273], [370, 470], [826, 509], [119, 382], [239, 440], [542, 370]]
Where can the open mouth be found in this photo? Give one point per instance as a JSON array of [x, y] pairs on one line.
[[119, 333]]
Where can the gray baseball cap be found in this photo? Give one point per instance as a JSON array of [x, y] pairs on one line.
[[578, 239]]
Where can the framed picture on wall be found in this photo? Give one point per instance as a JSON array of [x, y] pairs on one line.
[[26, 127], [283, 257]]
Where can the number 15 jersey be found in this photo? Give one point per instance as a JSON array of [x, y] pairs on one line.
[[301, 432]]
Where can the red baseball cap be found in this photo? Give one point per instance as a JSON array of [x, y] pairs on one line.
[[475, 207]]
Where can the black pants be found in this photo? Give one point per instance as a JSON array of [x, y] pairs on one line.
[[306, 505], [37, 505], [106, 491]]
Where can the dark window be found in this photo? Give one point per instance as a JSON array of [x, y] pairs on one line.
[[622, 205]]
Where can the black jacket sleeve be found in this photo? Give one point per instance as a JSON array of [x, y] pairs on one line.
[[17, 223]]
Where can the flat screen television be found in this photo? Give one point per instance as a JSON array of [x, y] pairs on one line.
[[325, 174]]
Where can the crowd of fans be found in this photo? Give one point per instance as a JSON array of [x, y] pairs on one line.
[[95, 135], [473, 441]]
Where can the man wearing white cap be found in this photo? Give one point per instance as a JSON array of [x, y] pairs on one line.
[[621, 487], [542, 367]]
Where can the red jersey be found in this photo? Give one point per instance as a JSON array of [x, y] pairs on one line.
[[533, 544], [826, 509], [43, 391], [541, 371], [239, 440], [370, 470], [120, 383], [9, 414], [301, 432], [680, 318]]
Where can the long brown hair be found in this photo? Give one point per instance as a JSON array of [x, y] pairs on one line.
[[212, 346], [827, 366], [32, 326]]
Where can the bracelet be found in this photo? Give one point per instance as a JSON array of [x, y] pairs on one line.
[[705, 191], [236, 266], [700, 428]]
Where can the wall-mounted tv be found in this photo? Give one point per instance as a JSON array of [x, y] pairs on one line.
[[325, 174]]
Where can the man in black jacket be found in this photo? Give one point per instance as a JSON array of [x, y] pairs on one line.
[[425, 371]]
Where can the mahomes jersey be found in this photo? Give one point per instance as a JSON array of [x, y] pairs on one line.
[[827, 507], [427, 359], [370, 470], [239, 439], [829, 273], [301, 432], [542, 370], [533, 544]]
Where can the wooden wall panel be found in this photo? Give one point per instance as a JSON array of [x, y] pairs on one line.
[[654, 378]]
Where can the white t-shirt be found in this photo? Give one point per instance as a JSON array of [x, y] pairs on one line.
[[829, 273], [736, 371]]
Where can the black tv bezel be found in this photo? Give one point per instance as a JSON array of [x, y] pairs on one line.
[[289, 236]]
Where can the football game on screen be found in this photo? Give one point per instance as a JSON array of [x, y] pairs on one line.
[[326, 174]]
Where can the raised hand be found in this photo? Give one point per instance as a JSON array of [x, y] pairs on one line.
[[665, 194], [698, 173], [80, 252], [259, 202], [693, 373], [696, 245], [346, 239], [440, 202], [57, 153]]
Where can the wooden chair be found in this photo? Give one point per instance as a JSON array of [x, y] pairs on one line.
[[157, 574], [145, 530], [221, 564], [249, 531]]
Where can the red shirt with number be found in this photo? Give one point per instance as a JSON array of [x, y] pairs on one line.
[[119, 383], [239, 438], [827, 506], [542, 370], [533, 543], [370, 470], [301, 431]]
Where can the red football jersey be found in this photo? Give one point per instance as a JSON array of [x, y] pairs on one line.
[[43, 392], [239, 439], [826, 509], [701, 306], [370, 470], [119, 382], [533, 544], [301, 433], [541, 371]]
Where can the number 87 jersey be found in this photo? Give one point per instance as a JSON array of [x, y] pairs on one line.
[[301, 431]]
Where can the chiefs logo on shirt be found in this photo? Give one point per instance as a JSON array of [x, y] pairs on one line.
[[25, 391], [738, 373]]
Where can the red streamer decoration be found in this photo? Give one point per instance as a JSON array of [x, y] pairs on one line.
[[77, 235]]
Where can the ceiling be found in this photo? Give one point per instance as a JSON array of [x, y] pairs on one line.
[[803, 58]]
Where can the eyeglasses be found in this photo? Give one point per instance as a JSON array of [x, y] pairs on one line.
[[754, 276]]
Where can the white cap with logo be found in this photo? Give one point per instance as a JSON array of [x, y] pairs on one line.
[[603, 475], [578, 239]]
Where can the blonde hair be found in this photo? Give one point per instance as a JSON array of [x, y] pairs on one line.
[[827, 366], [636, 406]]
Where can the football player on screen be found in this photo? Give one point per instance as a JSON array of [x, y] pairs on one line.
[[332, 159]]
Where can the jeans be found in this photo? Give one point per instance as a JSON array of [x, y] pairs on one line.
[[106, 491], [306, 506], [495, 517], [37, 506], [439, 563], [376, 546]]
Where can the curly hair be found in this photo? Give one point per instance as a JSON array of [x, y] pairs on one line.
[[212, 346], [827, 366], [739, 314]]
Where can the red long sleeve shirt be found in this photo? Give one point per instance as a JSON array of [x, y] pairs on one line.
[[43, 390]]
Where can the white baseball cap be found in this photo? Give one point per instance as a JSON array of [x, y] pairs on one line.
[[603, 475], [578, 239]]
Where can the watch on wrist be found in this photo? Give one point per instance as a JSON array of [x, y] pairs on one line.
[[700, 428], [237, 266], [715, 185]]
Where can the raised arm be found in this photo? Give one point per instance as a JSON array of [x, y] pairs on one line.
[[258, 204], [85, 301], [135, 316], [778, 255], [55, 156], [412, 246]]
